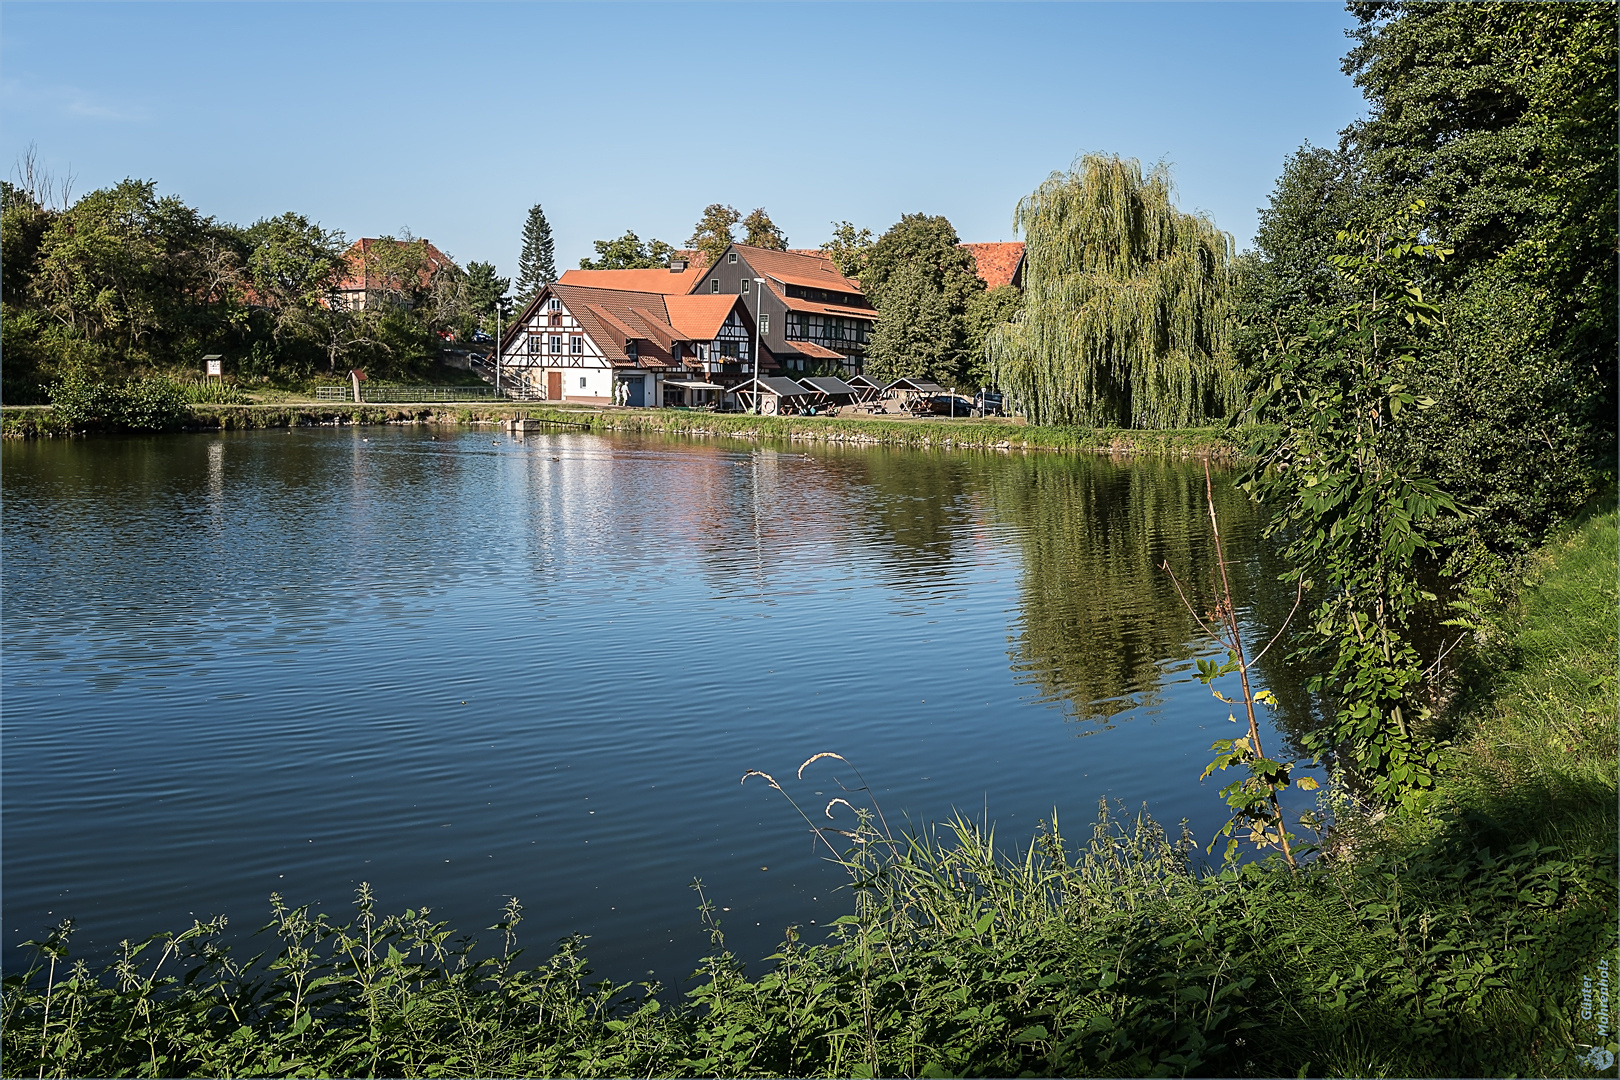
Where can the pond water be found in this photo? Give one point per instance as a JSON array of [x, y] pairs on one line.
[[463, 666]]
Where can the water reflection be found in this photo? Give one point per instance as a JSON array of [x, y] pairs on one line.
[[295, 661]]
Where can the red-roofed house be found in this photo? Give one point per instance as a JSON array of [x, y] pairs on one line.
[[614, 346], [999, 264], [366, 280], [811, 317]]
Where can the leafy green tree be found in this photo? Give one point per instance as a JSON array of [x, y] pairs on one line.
[[537, 263], [762, 232], [985, 311], [628, 252], [1501, 117], [921, 283], [916, 334], [1125, 314], [712, 234], [127, 269], [1358, 518], [1287, 281], [931, 244], [847, 249], [293, 266], [484, 290]]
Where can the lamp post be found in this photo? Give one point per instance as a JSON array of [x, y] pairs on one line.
[[500, 346], [759, 310]]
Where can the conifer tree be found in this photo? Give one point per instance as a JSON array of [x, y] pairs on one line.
[[537, 265]]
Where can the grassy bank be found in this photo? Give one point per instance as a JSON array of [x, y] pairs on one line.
[[23, 422], [1451, 943]]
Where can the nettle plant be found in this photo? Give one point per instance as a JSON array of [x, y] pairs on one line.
[[1357, 518], [1253, 794]]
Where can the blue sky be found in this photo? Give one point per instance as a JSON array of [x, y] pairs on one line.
[[453, 119]]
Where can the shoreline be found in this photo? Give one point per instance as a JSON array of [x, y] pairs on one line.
[[1215, 443]]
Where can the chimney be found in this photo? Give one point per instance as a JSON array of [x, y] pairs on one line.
[[677, 266]]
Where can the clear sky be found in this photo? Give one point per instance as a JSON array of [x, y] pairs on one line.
[[453, 119]]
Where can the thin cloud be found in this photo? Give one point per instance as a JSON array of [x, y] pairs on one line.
[[67, 100]]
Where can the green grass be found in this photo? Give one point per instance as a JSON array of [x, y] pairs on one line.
[[1449, 942], [1218, 443]]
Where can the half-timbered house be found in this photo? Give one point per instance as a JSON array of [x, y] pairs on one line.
[[811, 317], [623, 347]]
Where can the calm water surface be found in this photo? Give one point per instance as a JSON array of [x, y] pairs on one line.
[[467, 666]]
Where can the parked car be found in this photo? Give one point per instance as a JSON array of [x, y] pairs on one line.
[[990, 403], [941, 405]]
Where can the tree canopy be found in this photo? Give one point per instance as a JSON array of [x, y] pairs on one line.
[[847, 249], [923, 285], [628, 252], [1126, 302], [762, 232], [712, 234]]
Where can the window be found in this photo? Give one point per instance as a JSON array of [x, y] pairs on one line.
[[576, 344], [731, 258], [556, 344], [556, 304], [745, 286], [714, 284], [582, 382], [764, 322], [534, 344], [630, 350], [675, 354], [556, 320]]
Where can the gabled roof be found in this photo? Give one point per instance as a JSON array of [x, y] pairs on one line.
[[998, 263], [357, 259], [656, 280], [826, 384], [864, 382], [921, 386], [614, 317], [699, 317], [774, 384]]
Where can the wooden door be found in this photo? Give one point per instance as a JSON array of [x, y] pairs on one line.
[[554, 385]]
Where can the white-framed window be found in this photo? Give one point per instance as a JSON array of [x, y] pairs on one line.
[[745, 286], [576, 344], [534, 344], [556, 343], [582, 382], [556, 304], [731, 258], [764, 322], [714, 284]]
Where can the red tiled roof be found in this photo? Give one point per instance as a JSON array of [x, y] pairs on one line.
[[699, 317], [813, 270], [810, 348], [614, 317], [655, 280], [795, 303], [998, 263], [358, 259]]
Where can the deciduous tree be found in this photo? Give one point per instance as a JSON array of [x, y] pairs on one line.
[[628, 252], [712, 234], [1126, 303], [762, 232]]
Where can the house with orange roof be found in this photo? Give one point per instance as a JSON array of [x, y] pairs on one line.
[[811, 317], [620, 346], [998, 264], [365, 281]]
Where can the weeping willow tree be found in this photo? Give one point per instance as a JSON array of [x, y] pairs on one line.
[[1125, 304]]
